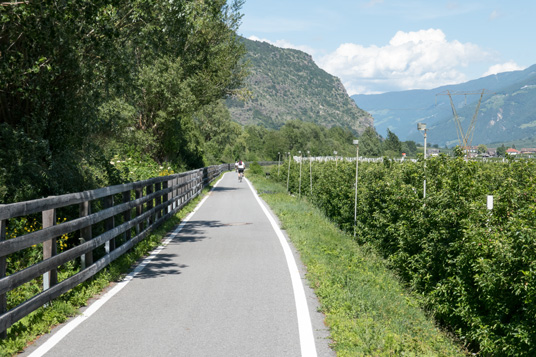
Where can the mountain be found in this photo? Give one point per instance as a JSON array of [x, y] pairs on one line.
[[507, 111], [286, 84]]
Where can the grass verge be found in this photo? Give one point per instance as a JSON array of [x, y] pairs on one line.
[[367, 309], [58, 311]]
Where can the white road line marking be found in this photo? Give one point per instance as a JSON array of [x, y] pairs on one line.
[[307, 340], [64, 331]]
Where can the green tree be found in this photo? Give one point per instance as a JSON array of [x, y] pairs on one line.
[[482, 149], [501, 150], [409, 147], [275, 143], [369, 143], [81, 81], [392, 144]]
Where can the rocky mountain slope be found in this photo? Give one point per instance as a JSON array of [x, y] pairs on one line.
[[286, 84]]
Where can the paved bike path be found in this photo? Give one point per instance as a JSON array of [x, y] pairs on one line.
[[220, 287]]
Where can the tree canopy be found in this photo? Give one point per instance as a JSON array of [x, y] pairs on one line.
[[82, 81]]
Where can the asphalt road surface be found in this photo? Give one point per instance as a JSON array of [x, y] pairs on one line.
[[223, 285]]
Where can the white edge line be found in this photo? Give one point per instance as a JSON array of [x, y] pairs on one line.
[[307, 340], [69, 327]]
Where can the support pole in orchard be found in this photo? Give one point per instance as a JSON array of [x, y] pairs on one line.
[[299, 183], [336, 161], [422, 127], [288, 174], [356, 143], [310, 172]]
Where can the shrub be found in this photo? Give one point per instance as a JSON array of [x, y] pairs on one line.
[[255, 168], [475, 269]]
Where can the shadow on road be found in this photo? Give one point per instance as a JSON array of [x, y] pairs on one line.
[[216, 189], [162, 264], [165, 264], [193, 231]]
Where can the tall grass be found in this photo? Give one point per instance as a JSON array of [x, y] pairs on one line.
[[367, 309]]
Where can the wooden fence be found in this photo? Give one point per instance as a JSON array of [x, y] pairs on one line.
[[109, 222]]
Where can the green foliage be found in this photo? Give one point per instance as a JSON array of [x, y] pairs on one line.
[[84, 81], [501, 151], [458, 151], [369, 143], [255, 168], [474, 268], [367, 310], [392, 144]]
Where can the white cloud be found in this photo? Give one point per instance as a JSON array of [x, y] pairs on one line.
[[423, 59], [503, 67], [284, 44]]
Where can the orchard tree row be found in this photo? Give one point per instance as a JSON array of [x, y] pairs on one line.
[[474, 267]]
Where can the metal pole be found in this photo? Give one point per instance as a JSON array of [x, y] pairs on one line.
[[356, 142], [288, 176], [424, 144], [336, 161], [310, 173], [424, 187], [422, 127], [299, 184]]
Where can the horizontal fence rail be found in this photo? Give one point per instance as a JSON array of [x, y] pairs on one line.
[[106, 229]]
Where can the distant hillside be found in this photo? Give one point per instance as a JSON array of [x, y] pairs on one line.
[[507, 113], [286, 84]]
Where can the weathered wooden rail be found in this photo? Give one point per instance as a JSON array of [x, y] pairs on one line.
[[143, 206]]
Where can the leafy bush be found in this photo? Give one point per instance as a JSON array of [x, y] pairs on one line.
[[255, 168], [476, 269]]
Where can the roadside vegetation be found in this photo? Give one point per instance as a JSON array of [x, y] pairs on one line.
[[472, 265], [368, 310]]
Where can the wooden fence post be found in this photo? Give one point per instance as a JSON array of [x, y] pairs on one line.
[[166, 197], [139, 210], [50, 278], [109, 224], [158, 200], [3, 267], [150, 206], [85, 235], [127, 215], [171, 195], [181, 190]]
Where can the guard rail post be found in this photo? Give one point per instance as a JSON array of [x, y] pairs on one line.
[[50, 278], [149, 206], [127, 216], [85, 235], [109, 224]]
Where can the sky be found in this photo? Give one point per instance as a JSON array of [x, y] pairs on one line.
[[378, 46]]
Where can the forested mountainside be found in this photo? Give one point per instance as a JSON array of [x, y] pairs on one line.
[[286, 84], [507, 112]]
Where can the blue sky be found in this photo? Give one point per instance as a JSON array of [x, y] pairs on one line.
[[377, 46]]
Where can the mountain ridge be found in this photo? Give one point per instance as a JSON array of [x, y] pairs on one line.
[[286, 84], [506, 114]]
